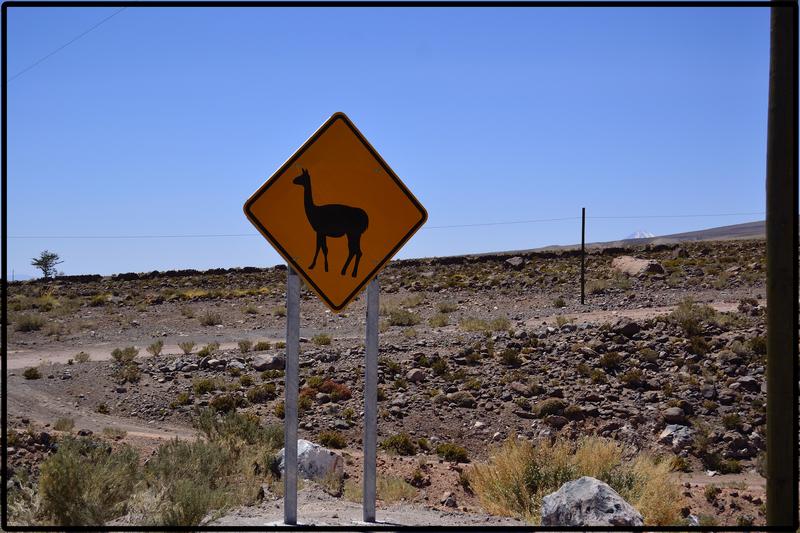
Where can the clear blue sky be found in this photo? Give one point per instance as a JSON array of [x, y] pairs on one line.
[[164, 121]]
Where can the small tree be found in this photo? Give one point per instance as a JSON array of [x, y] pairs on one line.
[[46, 262]]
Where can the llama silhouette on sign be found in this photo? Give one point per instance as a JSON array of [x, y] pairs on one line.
[[333, 220]]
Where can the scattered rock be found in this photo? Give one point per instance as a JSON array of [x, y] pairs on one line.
[[633, 266], [314, 461], [268, 362], [588, 502]]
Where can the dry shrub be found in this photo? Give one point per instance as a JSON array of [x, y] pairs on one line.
[[521, 473], [87, 484]]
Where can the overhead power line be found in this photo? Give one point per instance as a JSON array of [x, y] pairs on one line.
[[66, 44], [484, 224]]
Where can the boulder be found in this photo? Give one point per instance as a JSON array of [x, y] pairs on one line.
[[588, 502], [674, 415], [461, 398], [634, 266], [415, 375], [268, 362], [676, 436], [515, 263], [314, 461], [749, 383], [627, 327]]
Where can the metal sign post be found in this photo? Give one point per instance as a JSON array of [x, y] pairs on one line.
[[292, 384], [371, 401]]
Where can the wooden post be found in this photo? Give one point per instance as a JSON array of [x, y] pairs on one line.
[[583, 255], [782, 270]]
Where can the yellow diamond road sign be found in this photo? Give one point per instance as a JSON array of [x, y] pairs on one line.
[[336, 212]]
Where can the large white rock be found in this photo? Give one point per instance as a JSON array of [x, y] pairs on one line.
[[314, 461], [588, 502], [634, 266]]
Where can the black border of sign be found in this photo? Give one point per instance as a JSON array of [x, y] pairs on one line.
[[367, 3], [289, 162]]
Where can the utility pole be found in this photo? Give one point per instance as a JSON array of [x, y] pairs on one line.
[[782, 270], [583, 255]]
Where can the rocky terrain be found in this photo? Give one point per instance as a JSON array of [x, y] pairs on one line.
[[666, 357]]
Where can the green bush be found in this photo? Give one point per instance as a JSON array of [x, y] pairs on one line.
[[124, 355], [452, 452], [244, 346], [223, 403], [262, 346], [204, 385], [208, 350], [31, 373], [322, 339], [550, 406], [402, 317], [439, 321], [129, 373], [611, 360], [84, 483], [332, 439], [155, 348], [186, 347], [261, 393], [401, 444], [182, 399], [510, 357], [211, 318]]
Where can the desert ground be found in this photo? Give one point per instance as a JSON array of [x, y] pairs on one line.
[[477, 355]]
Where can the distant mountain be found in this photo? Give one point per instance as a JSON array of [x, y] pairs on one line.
[[748, 230], [640, 234]]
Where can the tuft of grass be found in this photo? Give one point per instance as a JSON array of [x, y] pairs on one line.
[[402, 317], [210, 318], [279, 310], [208, 350], [690, 316], [181, 399], [401, 444], [550, 406], [611, 360], [31, 373], [186, 347], [124, 355], [559, 302], [129, 373], [510, 357], [452, 452], [204, 385], [64, 424], [82, 357], [262, 346], [332, 439], [446, 307], [439, 320], [483, 326], [520, 473], [114, 433], [155, 348], [245, 345], [261, 393], [29, 322], [322, 339]]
